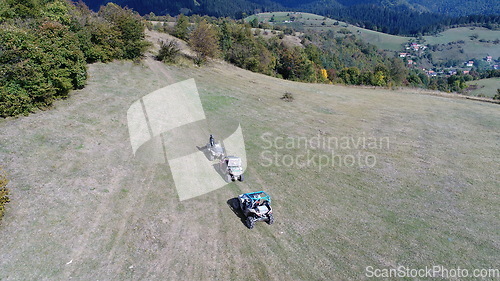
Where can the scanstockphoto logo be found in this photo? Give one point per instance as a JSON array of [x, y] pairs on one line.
[[169, 126], [321, 151]]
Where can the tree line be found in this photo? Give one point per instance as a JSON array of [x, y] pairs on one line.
[[322, 57], [45, 46]]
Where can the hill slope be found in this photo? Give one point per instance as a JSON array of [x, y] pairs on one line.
[[84, 208], [449, 50]]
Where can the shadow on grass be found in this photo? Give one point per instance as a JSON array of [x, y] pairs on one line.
[[234, 205], [205, 151], [216, 165], [223, 174]]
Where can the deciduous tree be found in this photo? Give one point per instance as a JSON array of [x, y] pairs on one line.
[[204, 41]]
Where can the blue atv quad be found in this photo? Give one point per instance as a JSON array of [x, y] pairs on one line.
[[256, 206]]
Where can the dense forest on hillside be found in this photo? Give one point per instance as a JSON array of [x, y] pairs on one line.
[[459, 8], [217, 8], [402, 17], [409, 23], [45, 46], [452, 8], [386, 20], [402, 21]]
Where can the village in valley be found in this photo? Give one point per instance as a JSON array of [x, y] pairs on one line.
[[417, 55]]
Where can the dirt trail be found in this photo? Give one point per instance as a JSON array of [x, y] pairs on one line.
[[155, 37], [159, 69], [83, 246], [156, 66]]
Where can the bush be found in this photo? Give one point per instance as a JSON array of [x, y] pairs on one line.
[[288, 31], [344, 31], [287, 97], [497, 96], [168, 51], [4, 192]]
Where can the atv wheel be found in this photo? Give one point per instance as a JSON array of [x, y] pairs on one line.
[[240, 178], [211, 157], [236, 204], [271, 219], [250, 222]]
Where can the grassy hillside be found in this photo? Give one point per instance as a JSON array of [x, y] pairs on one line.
[[478, 48], [84, 208], [307, 21], [484, 87]]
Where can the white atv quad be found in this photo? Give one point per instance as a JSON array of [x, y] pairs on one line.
[[230, 166]]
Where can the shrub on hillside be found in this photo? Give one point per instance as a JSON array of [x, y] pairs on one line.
[[287, 97], [497, 96], [168, 51]]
